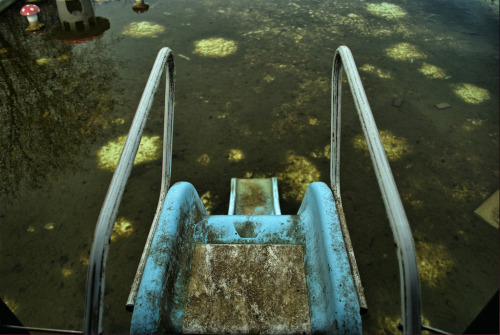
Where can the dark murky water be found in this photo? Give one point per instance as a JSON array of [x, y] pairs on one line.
[[260, 110]]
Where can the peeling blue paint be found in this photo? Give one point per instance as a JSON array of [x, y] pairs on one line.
[[333, 303]]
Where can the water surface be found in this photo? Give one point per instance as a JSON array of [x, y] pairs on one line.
[[258, 107]]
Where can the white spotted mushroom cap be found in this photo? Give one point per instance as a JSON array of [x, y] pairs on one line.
[[29, 10]]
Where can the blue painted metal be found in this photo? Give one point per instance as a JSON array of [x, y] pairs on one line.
[[333, 303], [155, 305]]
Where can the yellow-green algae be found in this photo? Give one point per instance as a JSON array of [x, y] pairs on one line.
[[404, 51], [235, 155], [432, 71], [395, 147], [434, 263], [143, 29], [374, 70], [209, 202], [386, 10], [322, 153], [66, 272], [149, 150], [215, 47], [204, 159], [389, 324], [43, 60], [297, 176], [122, 228], [471, 93]]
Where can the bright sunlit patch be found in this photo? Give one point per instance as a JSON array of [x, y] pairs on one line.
[[118, 121], [434, 262], [235, 155], [43, 61], [204, 159], [313, 121], [325, 153], [122, 228], [223, 115], [84, 260], [389, 324], [472, 124], [395, 147], [268, 78], [143, 29], [471, 93], [62, 57], [374, 70], [404, 51], [66, 272], [297, 176], [386, 10], [410, 198], [208, 201], [49, 226], [432, 71], [466, 191], [149, 150], [215, 47], [13, 306]]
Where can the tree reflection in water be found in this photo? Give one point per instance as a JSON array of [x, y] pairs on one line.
[[54, 102]]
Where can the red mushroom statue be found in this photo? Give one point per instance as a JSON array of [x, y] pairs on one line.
[[31, 11]]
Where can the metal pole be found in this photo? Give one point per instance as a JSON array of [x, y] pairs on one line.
[[41, 330], [99, 252], [407, 259]]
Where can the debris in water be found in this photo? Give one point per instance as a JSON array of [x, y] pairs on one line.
[[397, 102], [184, 57], [488, 211], [442, 105]]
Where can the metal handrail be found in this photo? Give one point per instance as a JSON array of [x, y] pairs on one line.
[[407, 259], [99, 253]]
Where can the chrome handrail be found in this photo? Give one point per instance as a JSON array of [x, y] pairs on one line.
[[99, 252], [407, 259]]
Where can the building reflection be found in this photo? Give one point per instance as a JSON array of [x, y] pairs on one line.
[[78, 22], [55, 99]]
